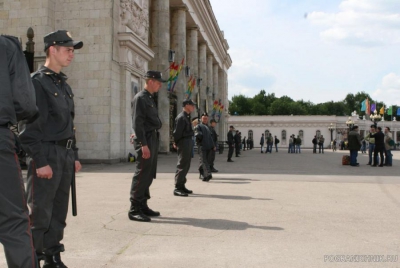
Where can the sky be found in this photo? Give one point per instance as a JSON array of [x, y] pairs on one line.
[[315, 50]]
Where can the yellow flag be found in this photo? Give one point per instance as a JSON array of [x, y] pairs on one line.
[[382, 110]]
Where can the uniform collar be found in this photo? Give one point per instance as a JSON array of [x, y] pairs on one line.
[[50, 72]]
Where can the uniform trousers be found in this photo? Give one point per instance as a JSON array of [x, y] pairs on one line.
[[379, 149], [230, 151], [212, 158], [15, 233], [204, 166], [49, 198], [184, 158], [146, 169]]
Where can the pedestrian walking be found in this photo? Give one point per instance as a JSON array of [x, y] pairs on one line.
[[389, 142], [276, 141], [321, 141], [50, 143], [183, 143], [314, 142], [17, 103], [379, 147]]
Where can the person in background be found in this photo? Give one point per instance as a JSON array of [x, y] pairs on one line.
[[244, 143], [262, 143], [388, 147], [379, 147], [183, 143], [370, 138], [213, 123], [321, 141], [276, 141], [354, 145], [231, 143], [314, 142]]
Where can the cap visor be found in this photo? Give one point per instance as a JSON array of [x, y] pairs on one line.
[[75, 44]]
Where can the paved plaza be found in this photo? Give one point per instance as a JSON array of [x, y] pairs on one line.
[[263, 210]]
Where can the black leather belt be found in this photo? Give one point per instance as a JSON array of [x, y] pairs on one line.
[[67, 143]]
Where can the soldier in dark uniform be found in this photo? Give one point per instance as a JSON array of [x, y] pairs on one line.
[[17, 103], [50, 143], [183, 142], [231, 143], [215, 139], [145, 123], [238, 140], [205, 144]]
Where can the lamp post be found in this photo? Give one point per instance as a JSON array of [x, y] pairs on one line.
[[375, 117], [350, 123], [331, 129]]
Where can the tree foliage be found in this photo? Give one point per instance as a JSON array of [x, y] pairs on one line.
[[269, 104]]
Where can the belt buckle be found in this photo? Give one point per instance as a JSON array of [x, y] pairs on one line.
[[69, 144]]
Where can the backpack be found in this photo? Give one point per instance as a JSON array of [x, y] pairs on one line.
[[277, 141]]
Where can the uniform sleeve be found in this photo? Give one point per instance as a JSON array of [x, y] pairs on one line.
[[179, 128], [198, 133], [32, 137], [138, 120], [22, 89]]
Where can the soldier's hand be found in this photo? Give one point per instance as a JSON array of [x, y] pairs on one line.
[[145, 152], [131, 139], [78, 166], [44, 172], [174, 145], [215, 148]]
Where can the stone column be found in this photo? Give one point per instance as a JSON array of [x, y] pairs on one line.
[[160, 44], [215, 69], [203, 75], [178, 43], [210, 84], [192, 54], [223, 89]]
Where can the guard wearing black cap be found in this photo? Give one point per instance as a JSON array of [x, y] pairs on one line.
[[50, 143], [205, 144], [17, 103], [231, 143], [145, 123], [183, 135], [214, 135]]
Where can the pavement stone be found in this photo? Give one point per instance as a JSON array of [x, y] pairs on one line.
[[263, 210]]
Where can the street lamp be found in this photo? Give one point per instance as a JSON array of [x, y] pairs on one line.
[[331, 129], [350, 123], [375, 117]]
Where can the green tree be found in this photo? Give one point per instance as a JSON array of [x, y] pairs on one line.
[[240, 105]]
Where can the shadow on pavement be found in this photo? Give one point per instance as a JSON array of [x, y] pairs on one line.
[[230, 197], [214, 224]]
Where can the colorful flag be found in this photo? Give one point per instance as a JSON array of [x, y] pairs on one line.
[[398, 111], [373, 107], [367, 111], [363, 107], [390, 111]]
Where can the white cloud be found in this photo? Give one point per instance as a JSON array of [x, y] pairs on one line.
[[247, 76], [361, 22], [389, 90]]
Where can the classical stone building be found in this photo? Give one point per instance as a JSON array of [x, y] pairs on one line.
[[331, 127], [122, 40]]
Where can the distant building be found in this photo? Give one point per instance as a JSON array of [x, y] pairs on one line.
[[305, 126]]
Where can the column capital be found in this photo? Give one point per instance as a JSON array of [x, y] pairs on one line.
[[179, 7], [193, 28]]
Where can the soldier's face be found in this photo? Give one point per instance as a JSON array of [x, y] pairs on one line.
[[204, 119], [63, 55], [154, 85]]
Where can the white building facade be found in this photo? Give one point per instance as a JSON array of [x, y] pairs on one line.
[[331, 127]]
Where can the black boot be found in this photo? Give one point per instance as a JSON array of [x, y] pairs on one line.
[[53, 261], [213, 169], [148, 211], [136, 214]]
